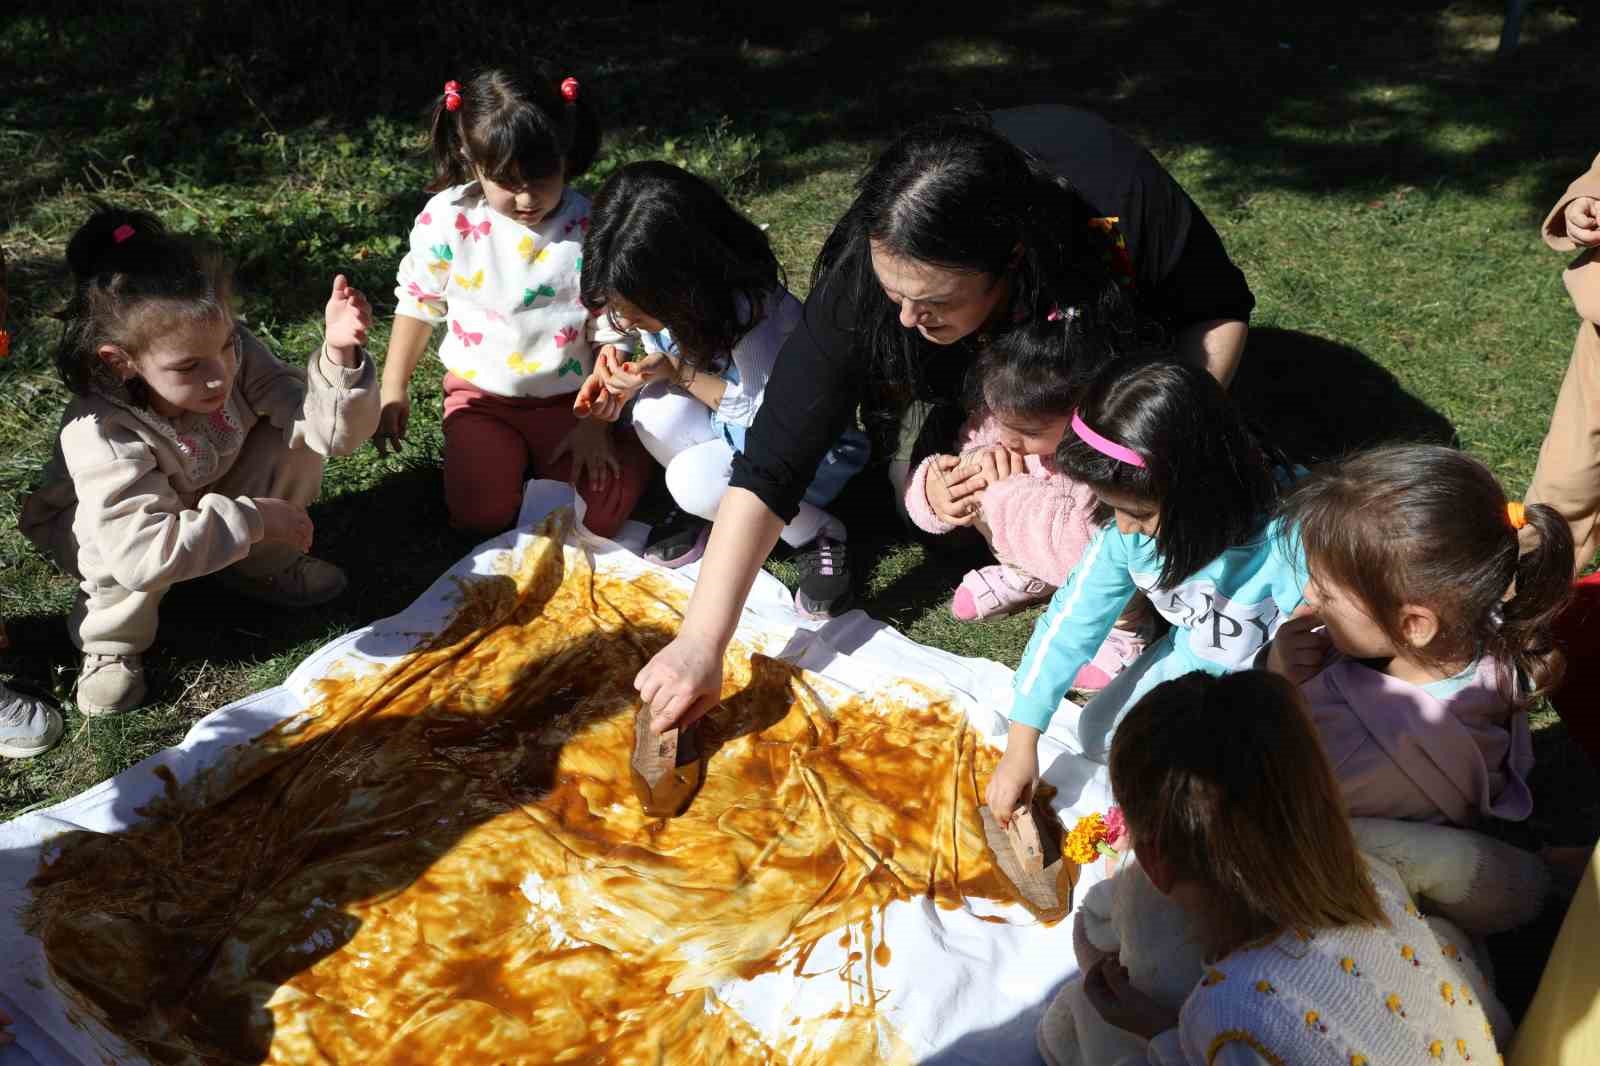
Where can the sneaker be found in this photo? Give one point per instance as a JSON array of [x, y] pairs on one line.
[[1121, 647], [28, 726], [109, 684], [306, 582], [678, 539], [997, 590], [824, 579]]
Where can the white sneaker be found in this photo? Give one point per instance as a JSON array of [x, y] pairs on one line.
[[109, 684]]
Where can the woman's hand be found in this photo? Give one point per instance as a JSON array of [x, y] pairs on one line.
[[348, 317], [283, 522], [952, 488], [594, 458], [1583, 221], [1011, 787], [1106, 986], [681, 683], [1297, 650]]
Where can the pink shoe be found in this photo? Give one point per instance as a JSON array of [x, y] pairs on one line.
[[997, 590], [1120, 648]]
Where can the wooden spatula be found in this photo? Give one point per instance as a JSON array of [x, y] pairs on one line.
[[1028, 852], [666, 768]]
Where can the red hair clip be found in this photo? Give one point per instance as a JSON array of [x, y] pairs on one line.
[[452, 96], [122, 233], [569, 90]]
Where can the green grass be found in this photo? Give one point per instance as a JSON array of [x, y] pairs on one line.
[[1375, 171]]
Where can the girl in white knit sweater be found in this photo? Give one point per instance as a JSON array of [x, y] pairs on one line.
[[1316, 954]]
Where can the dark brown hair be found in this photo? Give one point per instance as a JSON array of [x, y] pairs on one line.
[[1427, 525], [134, 280], [667, 242], [513, 128], [1225, 781]]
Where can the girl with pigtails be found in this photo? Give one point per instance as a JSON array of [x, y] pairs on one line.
[[496, 258]]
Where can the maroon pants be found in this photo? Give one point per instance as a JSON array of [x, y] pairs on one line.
[[492, 444]]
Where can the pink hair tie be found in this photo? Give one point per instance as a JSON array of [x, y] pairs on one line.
[[569, 90], [452, 96], [1109, 448], [122, 233]]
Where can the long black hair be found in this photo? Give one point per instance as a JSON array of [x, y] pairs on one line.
[[956, 194], [1213, 482], [668, 243], [512, 127], [134, 279]]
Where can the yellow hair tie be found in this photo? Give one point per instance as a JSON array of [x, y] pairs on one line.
[[1517, 513]]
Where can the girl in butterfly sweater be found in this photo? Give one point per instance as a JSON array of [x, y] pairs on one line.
[[495, 257]]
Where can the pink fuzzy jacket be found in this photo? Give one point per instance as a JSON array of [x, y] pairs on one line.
[[1041, 521]]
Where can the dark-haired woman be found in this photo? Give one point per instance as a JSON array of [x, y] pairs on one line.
[[960, 228], [669, 259]]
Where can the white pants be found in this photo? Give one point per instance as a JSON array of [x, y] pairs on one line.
[[679, 432]]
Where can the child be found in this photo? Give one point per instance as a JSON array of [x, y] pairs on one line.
[[28, 726], [667, 256], [1568, 475], [1036, 519], [189, 450], [1192, 496], [496, 254], [1415, 574], [1316, 953]]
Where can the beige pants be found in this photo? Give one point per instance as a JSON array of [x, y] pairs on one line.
[[113, 620], [1568, 475]]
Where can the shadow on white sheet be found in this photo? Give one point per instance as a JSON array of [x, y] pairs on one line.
[[960, 990]]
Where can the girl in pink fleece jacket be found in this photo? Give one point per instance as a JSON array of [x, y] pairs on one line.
[[1005, 484]]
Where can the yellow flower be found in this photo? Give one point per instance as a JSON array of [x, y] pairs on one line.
[[1448, 993], [1084, 840], [1436, 1049]]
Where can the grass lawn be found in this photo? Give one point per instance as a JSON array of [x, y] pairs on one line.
[[1376, 172]]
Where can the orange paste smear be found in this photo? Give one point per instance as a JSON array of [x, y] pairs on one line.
[[447, 864]]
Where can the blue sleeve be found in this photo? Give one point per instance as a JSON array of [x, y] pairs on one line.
[[1072, 628]]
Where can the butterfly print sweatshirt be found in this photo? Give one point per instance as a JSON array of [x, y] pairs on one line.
[[506, 294]]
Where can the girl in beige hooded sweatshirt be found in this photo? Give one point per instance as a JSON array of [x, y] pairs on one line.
[[189, 448]]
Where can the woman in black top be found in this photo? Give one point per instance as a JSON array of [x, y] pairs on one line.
[[961, 227]]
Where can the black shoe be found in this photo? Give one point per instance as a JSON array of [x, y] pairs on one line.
[[678, 539], [824, 579]]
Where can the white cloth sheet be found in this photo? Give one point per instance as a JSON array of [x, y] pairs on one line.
[[959, 989]]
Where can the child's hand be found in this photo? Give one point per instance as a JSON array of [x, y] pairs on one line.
[[997, 462], [393, 417], [626, 379], [1106, 986], [1011, 787], [284, 523], [1297, 652], [594, 460], [595, 401], [1583, 221], [952, 488], [347, 318]]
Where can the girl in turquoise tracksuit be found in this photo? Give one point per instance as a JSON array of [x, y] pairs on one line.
[[1190, 496]]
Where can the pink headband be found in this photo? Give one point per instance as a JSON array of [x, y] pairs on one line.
[[1105, 447], [121, 233]]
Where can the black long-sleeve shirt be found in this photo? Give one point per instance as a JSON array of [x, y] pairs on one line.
[[1181, 274]]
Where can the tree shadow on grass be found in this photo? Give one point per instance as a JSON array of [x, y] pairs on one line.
[[1319, 399]]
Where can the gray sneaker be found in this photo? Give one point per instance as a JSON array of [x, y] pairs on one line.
[[28, 726]]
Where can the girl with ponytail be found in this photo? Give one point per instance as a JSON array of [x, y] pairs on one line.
[[1440, 627], [496, 257]]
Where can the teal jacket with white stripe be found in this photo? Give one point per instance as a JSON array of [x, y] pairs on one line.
[[1222, 615]]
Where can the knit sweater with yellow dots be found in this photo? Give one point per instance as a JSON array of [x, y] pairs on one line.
[[1409, 993], [506, 293]]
